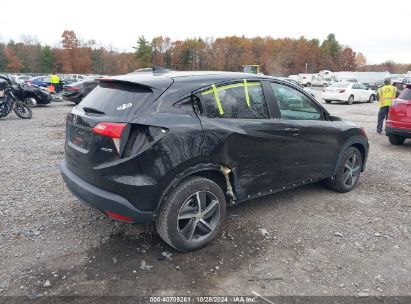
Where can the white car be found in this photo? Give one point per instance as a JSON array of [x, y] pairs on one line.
[[348, 92]]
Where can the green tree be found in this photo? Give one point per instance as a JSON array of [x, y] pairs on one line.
[[97, 65], [331, 49], [331, 46], [47, 60], [143, 53]]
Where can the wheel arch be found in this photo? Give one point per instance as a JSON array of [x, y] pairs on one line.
[[215, 172], [357, 142]]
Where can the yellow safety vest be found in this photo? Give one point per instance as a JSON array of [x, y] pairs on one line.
[[387, 93], [54, 79]]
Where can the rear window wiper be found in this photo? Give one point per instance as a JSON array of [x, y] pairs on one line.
[[92, 110]]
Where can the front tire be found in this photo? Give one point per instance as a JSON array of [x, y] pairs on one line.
[[348, 172], [371, 99], [396, 140], [22, 110], [192, 214]]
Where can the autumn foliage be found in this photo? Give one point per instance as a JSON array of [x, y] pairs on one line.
[[283, 56]]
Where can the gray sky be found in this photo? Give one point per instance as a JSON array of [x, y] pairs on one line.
[[359, 24]]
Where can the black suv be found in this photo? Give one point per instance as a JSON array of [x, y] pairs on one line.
[[177, 147]]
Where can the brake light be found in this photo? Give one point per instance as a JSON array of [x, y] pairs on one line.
[[109, 129], [112, 130], [119, 217], [72, 89], [341, 91]]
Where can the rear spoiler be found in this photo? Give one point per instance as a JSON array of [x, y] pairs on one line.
[[157, 86]]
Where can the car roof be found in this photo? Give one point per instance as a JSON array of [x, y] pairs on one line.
[[164, 80]]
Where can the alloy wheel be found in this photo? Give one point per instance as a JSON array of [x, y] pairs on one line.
[[352, 170], [198, 216]]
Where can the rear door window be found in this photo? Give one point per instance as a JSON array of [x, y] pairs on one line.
[[244, 100], [117, 99]]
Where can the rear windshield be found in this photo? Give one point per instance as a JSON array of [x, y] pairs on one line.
[[340, 85], [405, 95], [117, 99]]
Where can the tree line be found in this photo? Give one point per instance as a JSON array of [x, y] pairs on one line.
[[281, 56]]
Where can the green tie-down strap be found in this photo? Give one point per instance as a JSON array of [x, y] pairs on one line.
[[247, 97], [217, 100], [215, 90]]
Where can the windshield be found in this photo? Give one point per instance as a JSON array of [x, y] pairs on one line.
[[340, 85], [405, 95]]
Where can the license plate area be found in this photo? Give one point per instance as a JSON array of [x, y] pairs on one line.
[[80, 137]]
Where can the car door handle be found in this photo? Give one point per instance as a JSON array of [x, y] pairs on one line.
[[292, 131]]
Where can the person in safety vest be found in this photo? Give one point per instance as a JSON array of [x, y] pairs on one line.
[[385, 95], [55, 82]]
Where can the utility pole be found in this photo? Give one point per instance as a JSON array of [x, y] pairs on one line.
[[306, 67]]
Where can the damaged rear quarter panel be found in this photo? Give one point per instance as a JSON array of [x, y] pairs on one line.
[[182, 147]]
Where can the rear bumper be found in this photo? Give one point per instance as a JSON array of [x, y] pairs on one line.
[[336, 97], [398, 132], [101, 199]]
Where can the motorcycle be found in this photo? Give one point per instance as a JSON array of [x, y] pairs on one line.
[[9, 101]]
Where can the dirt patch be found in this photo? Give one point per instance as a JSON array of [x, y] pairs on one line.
[[145, 261]]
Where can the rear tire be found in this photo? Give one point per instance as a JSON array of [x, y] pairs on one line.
[[372, 98], [348, 172], [308, 84], [350, 100], [192, 214], [396, 140]]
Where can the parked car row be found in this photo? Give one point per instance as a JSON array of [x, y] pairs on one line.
[[31, 95], [75, 87]]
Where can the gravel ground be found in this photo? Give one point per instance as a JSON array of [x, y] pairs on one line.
[[308, 241]]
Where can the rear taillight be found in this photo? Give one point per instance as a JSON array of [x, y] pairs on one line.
[[112, 130], [341, 91], [72, 89]]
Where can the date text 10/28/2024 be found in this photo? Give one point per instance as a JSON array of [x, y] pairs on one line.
[[203, 299]]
